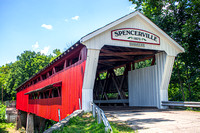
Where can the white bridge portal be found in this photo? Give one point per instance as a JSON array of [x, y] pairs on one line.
[[128, 40]]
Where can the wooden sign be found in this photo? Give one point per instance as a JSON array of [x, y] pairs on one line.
[[135, 35]]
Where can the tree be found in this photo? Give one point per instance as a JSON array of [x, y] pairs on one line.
[[27, 64], [4, 70], [181, 21], [57, 53]]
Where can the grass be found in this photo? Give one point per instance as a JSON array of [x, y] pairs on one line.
[[121, 128], [6, 127], [88, 124], [187, 109], [10, 128], [193, 109]]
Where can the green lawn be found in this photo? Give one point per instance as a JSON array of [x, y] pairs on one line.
[[10, 128], [87, 124], [6, 127]]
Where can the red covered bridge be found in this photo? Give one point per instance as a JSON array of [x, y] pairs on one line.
[[72, 80], [57, 86]]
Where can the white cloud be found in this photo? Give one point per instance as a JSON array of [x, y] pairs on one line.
[[75, 18], [66, 20], [45, 50], [36, 45], [8, 62], [46, 26], [132, 7]]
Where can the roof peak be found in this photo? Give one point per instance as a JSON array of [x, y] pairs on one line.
[[125, 18]]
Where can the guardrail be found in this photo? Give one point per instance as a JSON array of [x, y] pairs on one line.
[[181, 104], [100, 116]]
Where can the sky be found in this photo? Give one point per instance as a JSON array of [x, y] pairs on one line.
[[45, 25]]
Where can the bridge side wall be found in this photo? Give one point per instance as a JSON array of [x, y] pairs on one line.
[[72, 81], [142, 88], [149, 86]]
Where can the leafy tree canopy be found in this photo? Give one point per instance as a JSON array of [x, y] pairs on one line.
[[180, 19], [27, 64]]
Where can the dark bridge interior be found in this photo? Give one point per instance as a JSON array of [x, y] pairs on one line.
[[112, 57], [111, 84]]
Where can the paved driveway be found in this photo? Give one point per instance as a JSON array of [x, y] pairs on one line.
[[148, 120]]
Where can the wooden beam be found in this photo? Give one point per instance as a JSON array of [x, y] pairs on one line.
[[105, 95], [143, 59], [119, 48], [106, 64], [104, 84], [127, 53], [122, 56], [112, 101], [121, 82], [118, 89], [114, 60], [106, 51], [118, 60], [115, 67]]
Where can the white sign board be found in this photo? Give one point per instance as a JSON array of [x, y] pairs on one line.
[[135, 35]]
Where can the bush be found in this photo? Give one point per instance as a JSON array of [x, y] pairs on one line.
[[2, 112]]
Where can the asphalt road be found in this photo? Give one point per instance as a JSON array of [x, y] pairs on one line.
[[148, 120]]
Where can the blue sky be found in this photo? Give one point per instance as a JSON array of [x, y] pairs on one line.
[[44, 25]]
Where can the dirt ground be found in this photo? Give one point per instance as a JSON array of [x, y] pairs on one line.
[[148, 120]]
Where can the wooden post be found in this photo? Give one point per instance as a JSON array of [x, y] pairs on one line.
[[93, 110], [59, 115], [65, 64], [54, 71], [98, 116], [19, 123], [41, 78], [47, 74], [30, 123], [104, 85], [133, 65], [42, 124], [153, 61]]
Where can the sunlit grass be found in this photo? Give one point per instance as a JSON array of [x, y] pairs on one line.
[[4, 127], [88, 124]]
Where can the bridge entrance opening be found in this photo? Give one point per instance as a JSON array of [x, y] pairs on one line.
[[111, 86]]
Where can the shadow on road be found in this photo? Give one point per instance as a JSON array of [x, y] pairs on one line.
[[137, 123], [124, 115]]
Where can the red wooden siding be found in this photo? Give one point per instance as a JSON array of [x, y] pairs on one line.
[[71, 90]]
